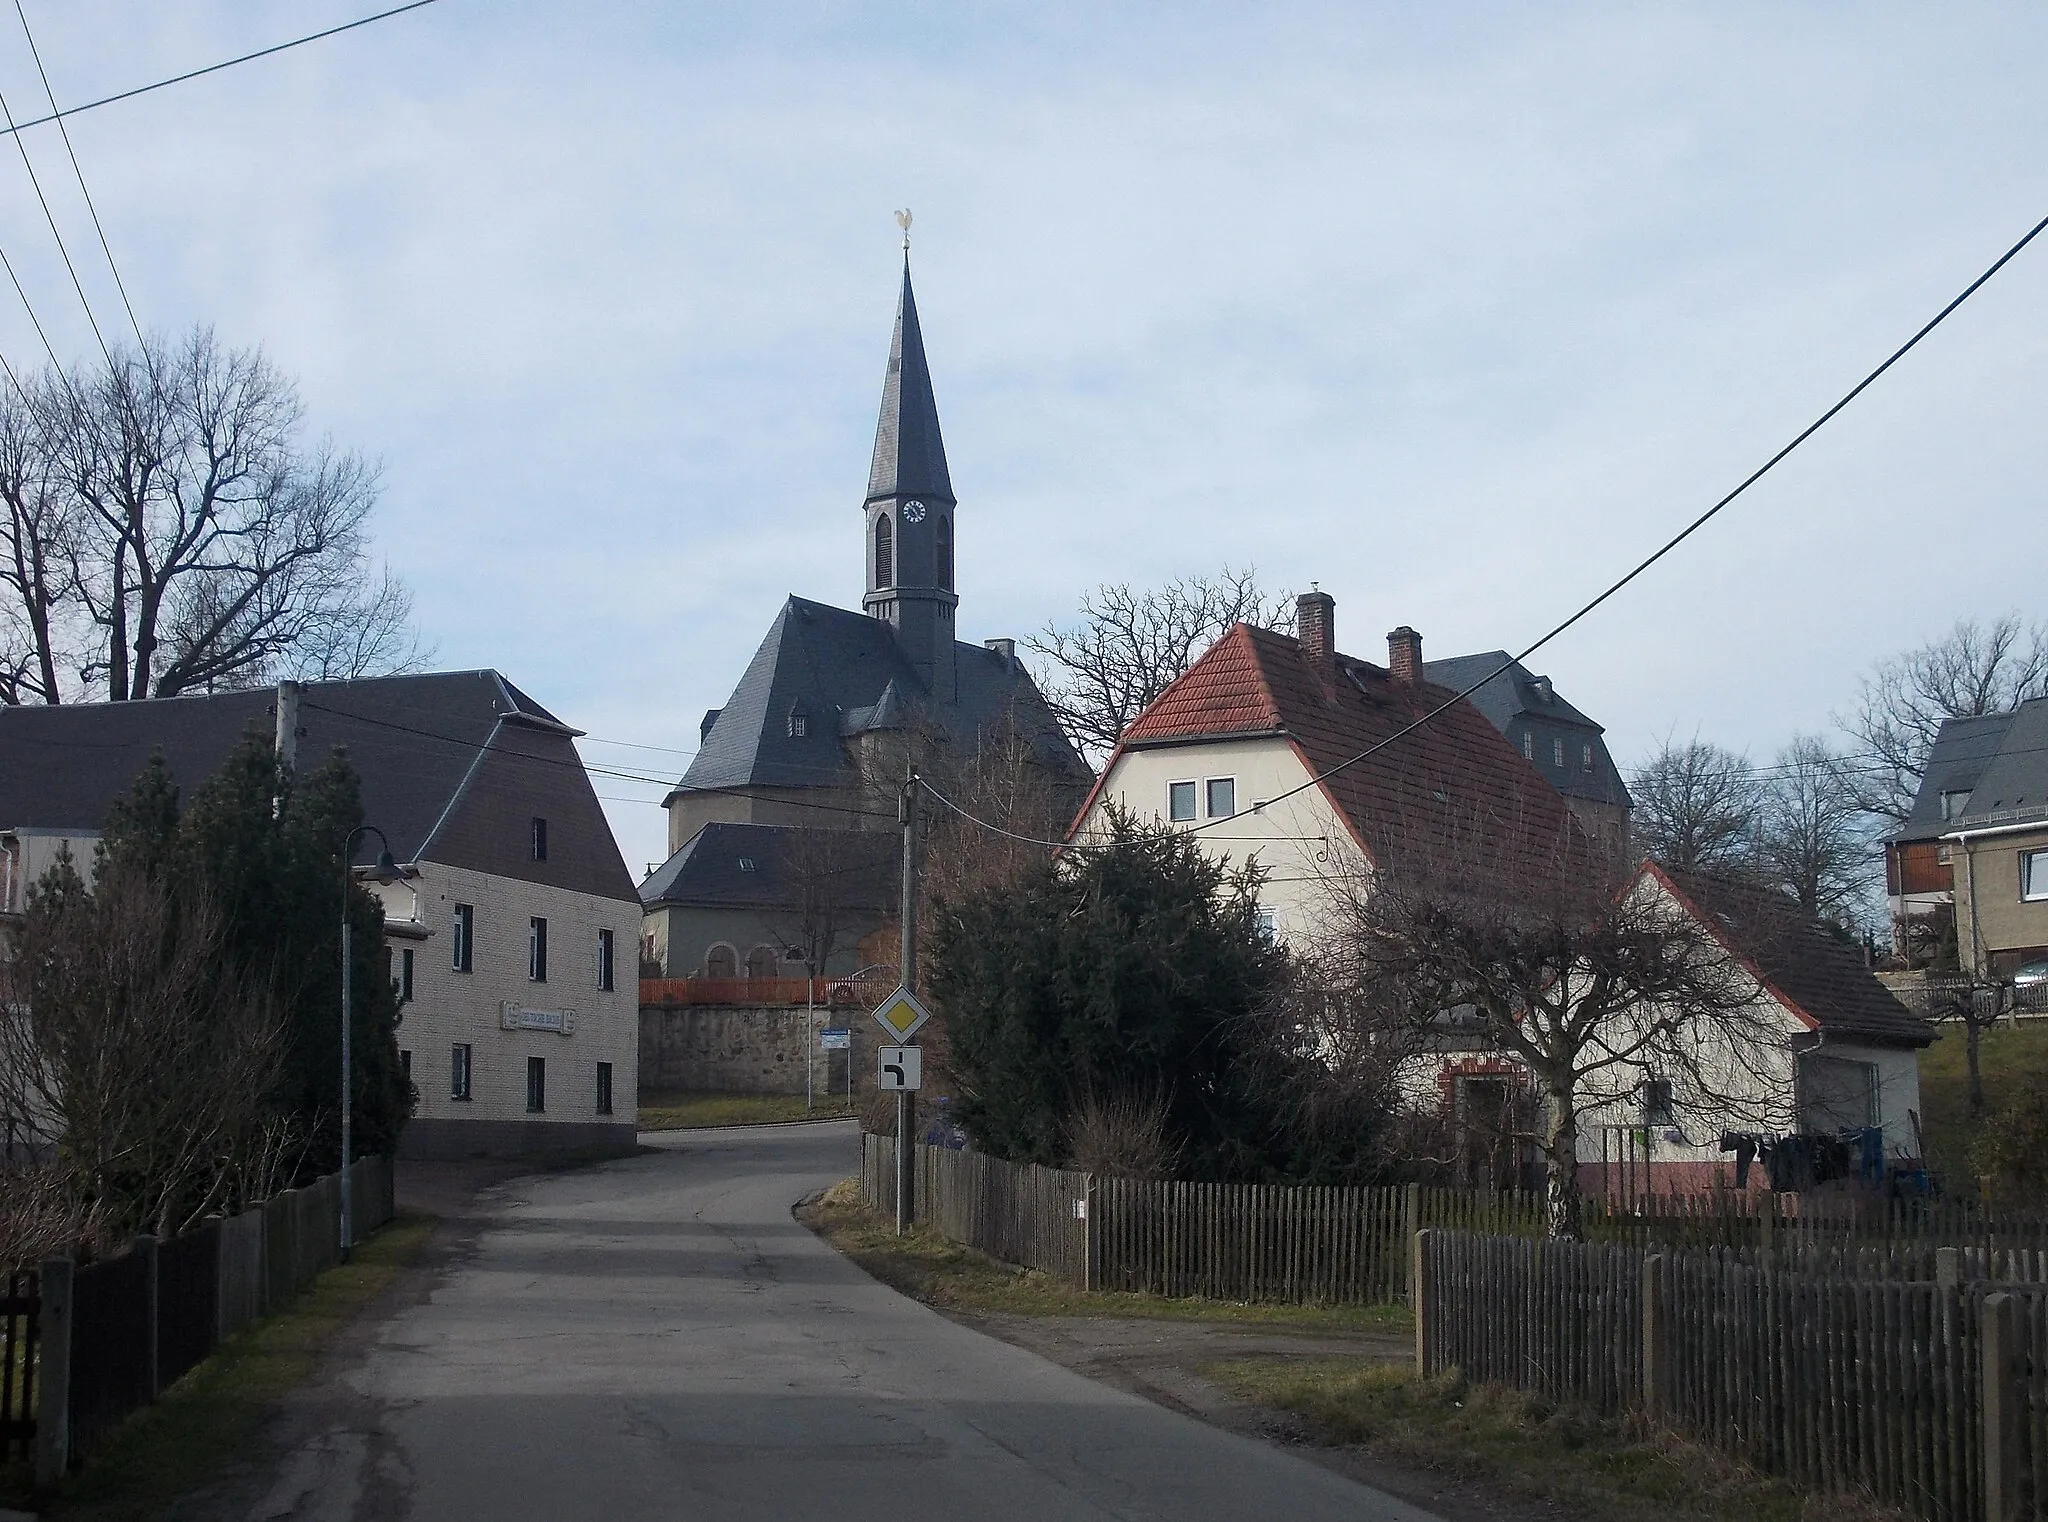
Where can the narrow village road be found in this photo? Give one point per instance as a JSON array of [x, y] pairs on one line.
[[658, 1339]]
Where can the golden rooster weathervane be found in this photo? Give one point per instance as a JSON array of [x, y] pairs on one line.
[[903, 221]]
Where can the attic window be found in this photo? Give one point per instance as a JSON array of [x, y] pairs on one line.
[[799, 723], [1557, 753], [1543, 691], [1586, 756], [1528, 746], [746, 863]]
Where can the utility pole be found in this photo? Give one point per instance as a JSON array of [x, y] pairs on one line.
[[906, 958]]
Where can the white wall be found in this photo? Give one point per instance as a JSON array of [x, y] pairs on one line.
[[31, 853], [449, 1006], [1302, 842]]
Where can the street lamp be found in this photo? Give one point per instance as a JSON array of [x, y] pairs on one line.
[[386, 871]]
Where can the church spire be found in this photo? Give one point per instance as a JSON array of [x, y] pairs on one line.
[[910, 457], [909, 509]]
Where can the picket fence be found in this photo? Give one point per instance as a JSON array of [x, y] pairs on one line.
[[1930, 1395], [1353, 1245], [110, 1336]]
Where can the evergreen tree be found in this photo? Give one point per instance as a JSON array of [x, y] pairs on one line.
[[1132, 973]]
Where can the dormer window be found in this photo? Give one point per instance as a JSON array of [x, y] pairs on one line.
[[885, 551], [799, 723]]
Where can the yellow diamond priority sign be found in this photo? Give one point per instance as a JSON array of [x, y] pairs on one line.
[[900, 1014]]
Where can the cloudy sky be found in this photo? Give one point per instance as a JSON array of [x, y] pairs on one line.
[[1456, 309]]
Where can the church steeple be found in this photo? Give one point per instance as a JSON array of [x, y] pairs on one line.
[[909, 510]]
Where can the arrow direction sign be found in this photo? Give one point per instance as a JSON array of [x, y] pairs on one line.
[[901, 1015], [902, 1067]]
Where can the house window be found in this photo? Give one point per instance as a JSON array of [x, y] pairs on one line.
[[405, 1066], [885, 552], [1954, 802], [761, 962], [537, 950], [604, 1088], [1557, 752], [721, 962], [1263, 919], [943, 534], [799, 723], [1180, 800], [604, 961], [1658, 1108], [463, 941], [536, 1085], [458, 1072], [1222, 797], [2033, 875], [1586, 757], [404, 980], [538, 840], [1528, 745]]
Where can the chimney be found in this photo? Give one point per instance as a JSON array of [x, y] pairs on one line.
[[1404, 655], [1006, 648], [286, 738], [1315, 626]]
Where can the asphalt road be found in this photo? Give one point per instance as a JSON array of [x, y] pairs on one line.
[[657, 1339]]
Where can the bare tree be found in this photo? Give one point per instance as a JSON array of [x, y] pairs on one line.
[[1593, 985], [169, 531], [1696, 806], [1811, 838], [135, 1057], [1099, 672], [840, 882], [1973, 669]]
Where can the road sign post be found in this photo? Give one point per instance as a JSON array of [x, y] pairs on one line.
[[900, 1069], [902, 1013]]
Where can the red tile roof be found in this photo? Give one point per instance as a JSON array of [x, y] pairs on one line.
[[1454, 778]]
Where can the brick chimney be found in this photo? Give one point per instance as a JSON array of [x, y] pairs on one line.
[[1315, 626], [1404, 655]]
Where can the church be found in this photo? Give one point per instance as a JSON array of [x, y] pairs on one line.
[[782, 832]]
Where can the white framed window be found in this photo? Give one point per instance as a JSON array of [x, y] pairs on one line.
[[1528, 746], [1180, 800], [458, 1072], [1222, 797], [536, 1085], [604, 1088], [1557, 752], [2033, 875], [1586, 757], [605, 959], [462, 942], [537, 950], [404, 978], [1263, 918], [799, 723]]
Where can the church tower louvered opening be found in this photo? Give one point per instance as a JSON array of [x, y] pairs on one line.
[[909, 511]]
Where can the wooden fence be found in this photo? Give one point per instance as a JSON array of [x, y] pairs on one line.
[[1352, 1245], [1889, 1386]]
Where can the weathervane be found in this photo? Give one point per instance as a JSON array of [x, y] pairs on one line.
[[903, 221]]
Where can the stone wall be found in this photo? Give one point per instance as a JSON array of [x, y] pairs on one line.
[[743, 1049]]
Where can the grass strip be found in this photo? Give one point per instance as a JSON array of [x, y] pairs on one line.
[[685, 1110], [940, 1272], [214, 1415], [1586, 1466]]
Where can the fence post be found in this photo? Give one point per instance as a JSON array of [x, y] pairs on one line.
[[1948, 1267], [1419, 1299], [1655, 1355], [145, 1251], [1091, 1268], [53, 1338], [2002, 1434]]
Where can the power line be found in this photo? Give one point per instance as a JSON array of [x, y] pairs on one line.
[[65, 132], [36, 322], [51, 217], [1683, 534], [215, 68]]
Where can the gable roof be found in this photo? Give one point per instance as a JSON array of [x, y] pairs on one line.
[[763, 866], [1447, 778], [1999, 759], [847, 674], [419, 743], [1816, 974]]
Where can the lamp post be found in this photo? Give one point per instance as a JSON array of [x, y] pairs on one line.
[[385, 871]]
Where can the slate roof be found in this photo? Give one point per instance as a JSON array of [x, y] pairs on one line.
[[1506, 696], [1453, 774], [761, 865], [1816, 973], [413, 740], [846, 673], [910, 458], [2000, 759]]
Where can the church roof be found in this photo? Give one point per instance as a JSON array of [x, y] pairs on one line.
[[845, 674], [910, 457]]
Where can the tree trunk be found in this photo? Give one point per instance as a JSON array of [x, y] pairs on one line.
[[1561, 1164]]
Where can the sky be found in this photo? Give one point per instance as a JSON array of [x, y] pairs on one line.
[[1457, 310]]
